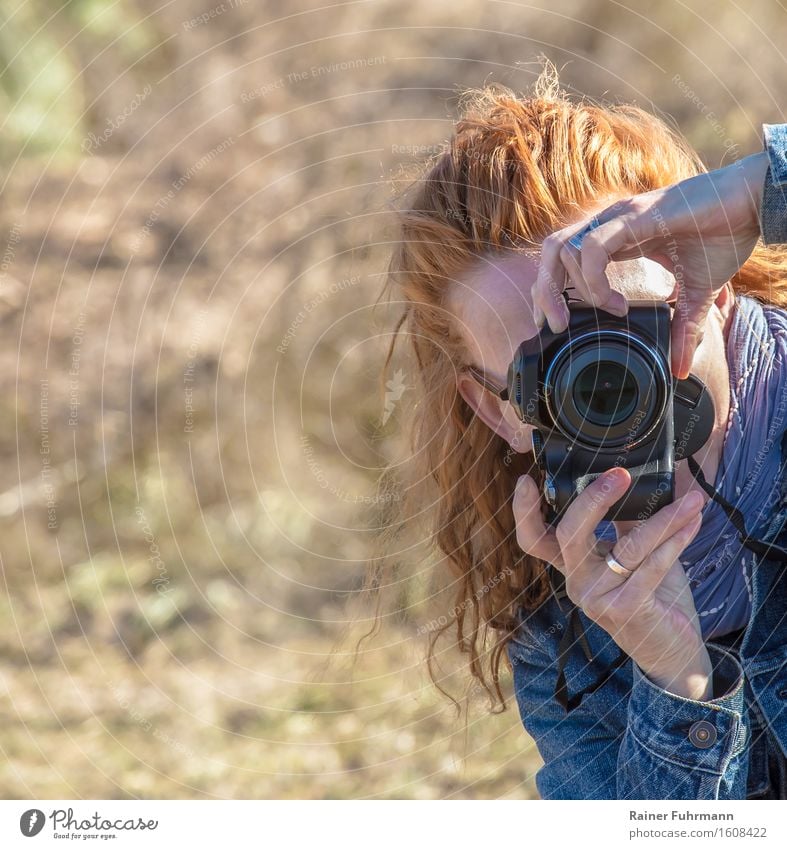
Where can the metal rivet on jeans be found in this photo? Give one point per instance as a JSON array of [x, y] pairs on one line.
[[703, 734]]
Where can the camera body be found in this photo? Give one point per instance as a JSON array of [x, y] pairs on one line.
[[601, 394]]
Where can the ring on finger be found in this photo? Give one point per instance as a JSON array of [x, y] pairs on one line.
[[576, 240], [617, 567]]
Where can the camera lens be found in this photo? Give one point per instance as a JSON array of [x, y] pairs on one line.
[[606, 389], [605, 393]]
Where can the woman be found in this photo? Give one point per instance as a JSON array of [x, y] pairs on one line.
[[649, 658]]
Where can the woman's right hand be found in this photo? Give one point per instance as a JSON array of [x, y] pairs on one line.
[[650, 614]]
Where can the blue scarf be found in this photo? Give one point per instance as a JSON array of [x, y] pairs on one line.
[[717, 565]]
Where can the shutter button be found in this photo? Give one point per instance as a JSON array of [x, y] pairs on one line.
[[702, 734]]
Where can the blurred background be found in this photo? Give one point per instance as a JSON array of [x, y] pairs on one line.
[[195, 209]]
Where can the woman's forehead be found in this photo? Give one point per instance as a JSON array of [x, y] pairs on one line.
[[495, 297], [498, 289]]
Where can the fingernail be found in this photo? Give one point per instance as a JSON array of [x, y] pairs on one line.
[[616, 476], [693, 500]]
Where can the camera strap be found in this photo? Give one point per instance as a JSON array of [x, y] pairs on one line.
[[575, 632], [768, 550]]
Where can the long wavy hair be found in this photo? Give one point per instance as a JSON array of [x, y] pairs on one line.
[[515, 169]]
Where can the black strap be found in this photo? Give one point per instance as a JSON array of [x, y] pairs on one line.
[[576, 630], [573, 633], [770, 551]]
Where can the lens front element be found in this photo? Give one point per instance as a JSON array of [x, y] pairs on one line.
[[606, 389], [606, 393]]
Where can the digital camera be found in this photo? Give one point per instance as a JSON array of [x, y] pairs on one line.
[[601, 394]]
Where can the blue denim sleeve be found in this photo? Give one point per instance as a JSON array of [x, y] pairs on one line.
[[773, 209], [687, 749], [631, 739]]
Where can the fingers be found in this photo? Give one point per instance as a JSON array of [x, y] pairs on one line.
[[653, 570], [603, 295], [599, 248], [637, 545], [575, 531], [547, 292], [688, 326], [532, 533], [585, 268]]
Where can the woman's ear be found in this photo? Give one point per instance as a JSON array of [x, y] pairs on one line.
[[497, 415]]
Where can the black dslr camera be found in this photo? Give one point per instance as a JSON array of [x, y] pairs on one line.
[[601, 394]]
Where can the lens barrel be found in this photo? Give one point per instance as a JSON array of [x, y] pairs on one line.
[[606, 389]]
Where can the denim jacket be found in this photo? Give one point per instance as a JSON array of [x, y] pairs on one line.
[[630, 738]]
